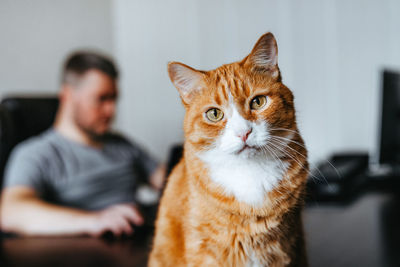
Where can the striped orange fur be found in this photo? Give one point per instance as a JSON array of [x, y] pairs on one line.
[[219, 207]]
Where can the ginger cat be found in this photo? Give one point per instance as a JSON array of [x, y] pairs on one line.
[[235, 197]]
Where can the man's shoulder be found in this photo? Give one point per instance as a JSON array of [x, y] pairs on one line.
[[36, 145]]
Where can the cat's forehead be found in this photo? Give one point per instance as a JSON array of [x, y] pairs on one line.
[[232, 83], [226, 82], [227, 76]]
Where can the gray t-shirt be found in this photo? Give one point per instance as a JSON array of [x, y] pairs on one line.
[[72, 174]]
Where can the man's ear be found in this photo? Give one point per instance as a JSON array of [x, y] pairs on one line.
[[187, 80], [264, 56]]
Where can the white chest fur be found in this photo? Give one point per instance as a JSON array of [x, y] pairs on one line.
[[247, 179]]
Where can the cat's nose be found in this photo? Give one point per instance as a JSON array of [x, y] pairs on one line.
[[245, 135]]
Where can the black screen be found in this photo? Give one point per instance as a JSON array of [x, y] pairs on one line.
[[390, 120]]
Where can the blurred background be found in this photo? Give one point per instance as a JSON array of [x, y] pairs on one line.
[[331, 55]]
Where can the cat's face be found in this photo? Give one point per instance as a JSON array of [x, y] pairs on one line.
[[238, 109]]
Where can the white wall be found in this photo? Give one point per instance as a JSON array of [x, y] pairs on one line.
[[36, 36], [330, 54]]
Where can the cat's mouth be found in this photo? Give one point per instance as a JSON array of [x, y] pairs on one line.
[[246, 147]]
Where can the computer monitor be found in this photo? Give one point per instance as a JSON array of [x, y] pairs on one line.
[[389, 145]]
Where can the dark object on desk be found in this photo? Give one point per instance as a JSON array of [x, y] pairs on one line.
[[338, 178], [142, 232], [139, 236], [21, 118]]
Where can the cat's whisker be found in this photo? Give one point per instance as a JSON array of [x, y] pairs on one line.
[[278, 159], [284, 129], [270, 152], [313, 166], [286, 153], [289, 140], [297, 143], [281, 147], [285, 145], [298, 162], [283, 169]]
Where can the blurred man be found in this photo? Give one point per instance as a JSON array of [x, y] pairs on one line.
[[77, 177]]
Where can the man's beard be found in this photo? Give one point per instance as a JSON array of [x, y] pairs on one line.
[[92, 134]]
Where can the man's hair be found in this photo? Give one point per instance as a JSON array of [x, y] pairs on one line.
[[78, 63]]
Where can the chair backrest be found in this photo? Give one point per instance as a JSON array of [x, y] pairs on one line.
[[175, 155], [21, 118]]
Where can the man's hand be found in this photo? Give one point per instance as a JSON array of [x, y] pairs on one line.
[[23, 212], [117, 219]]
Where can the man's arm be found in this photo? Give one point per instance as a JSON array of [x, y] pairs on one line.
[[23, 212]]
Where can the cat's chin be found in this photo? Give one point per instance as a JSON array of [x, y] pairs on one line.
[[256, 152], [248, 151]]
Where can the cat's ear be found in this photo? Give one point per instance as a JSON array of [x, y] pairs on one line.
[[264, 56], [187, 80]]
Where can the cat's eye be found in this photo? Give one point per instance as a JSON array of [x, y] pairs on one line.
[[258, 102], [214, 114]]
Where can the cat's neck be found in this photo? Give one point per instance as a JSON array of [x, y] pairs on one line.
[[208, 189]]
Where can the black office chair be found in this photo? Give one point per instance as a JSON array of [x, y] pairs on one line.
[[21, 118]]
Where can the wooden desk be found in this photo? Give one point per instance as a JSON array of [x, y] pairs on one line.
[[76, 251], [364, 232]]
